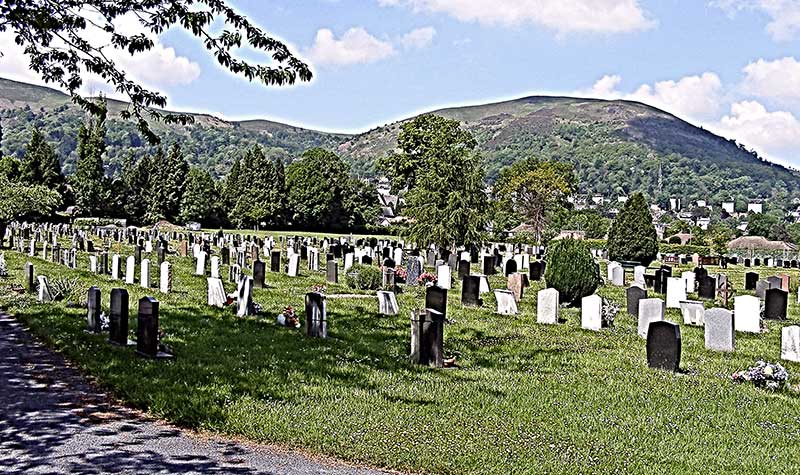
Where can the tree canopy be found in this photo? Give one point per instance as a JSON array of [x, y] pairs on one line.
[[66, 40], [633, 236]]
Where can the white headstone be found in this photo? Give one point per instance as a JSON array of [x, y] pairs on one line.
[[790, 343], [44, 290], [592, 312], [506, 304], [719, 332], [196, 248], [638, 276], [148, 246], [215, 267], [547, 302], [444, 279], [244, 299], [387, 303], [115, 261], [216, 293], [93, 264], [200, 269], [688, 279], [676, 292], [130, 270], [397, 256], [693, 312], [294, 265], [650, 310], [165, 278], [616, 274], [348, 261], [145, 274], [747, 313]]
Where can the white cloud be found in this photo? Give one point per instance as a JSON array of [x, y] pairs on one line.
[[160, 66], [356, 46], [692, 97], [774, 79], [419, 38], [562, 16], [784, 15], [771, 133]]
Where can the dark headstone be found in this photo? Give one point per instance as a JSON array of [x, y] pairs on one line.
[[366, 260], [316, 315], [775, 304], [259, 271], [707, 288], [275, 261], [511, 267], [756, 262], [536, 270], [436, 299], [633, 295], [489, 265], [427, 338], [118, 317], [332, 272], [747, 262], [660, 284], [471, 291], [388, 278], [664, 346], [389, 262], [93, 306], [225, 256], [147, 330], [413, 271], [30, 277], [463, 269], [750, 279]]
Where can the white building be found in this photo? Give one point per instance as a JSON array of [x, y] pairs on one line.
[[729, 207], [756, 208]]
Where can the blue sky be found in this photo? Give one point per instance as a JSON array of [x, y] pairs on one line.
[[732, 66]]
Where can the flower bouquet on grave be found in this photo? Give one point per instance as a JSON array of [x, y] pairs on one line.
[[400, 273], [288, 318], [427, 279], [609, 312], [318, 289], [764, 375]]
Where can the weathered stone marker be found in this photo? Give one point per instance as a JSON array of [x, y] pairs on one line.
[[427, 338], [93, 304]]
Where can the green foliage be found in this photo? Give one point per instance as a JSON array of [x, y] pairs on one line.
[[589, 221], [199, 201], [166, 185], [446, 203], [11, 168], [19, 200], [41, 165], [535, 190], [92, 193], [259, 195], [323, 195], [633, 236], [34, 24], [687, 249], [768, 225], [364, 277], [571, 270]]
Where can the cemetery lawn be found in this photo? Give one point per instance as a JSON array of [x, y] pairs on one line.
[[526, 398]]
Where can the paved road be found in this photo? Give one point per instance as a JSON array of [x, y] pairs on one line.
[[53, 421]]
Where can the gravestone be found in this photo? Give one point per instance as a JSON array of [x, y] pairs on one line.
[[536, 271], [93, 264], [689, 281], [616, 274], [216, 293], [244, 297], [489, 265], [707, 288], [388, 278], [348, 261], [316, 315], [215, 267], [93, 307], [720, 331], [130, 270], [30, 276], [443, 277], [650, 310], [632, 296], [750, 280], [790, 343], [747, 314], [547, 303], [693, 312], [45, 295], [660, 284], [774, 282], [275, 261], [294, 265], [775, 304], [592, 312], [761, 289], [470, 291], [387, 303], [506, 303], [436, 299], [427, 338], [516, 284], [463, 269], [676, 292], [413, 271], [147, 330], [664, 346], [118, 318], [638, 276], [144, 275], [259, 271], [510, 267], [332, 272], [165, 277]]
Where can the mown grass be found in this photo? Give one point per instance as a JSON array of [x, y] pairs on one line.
[[526, 398]]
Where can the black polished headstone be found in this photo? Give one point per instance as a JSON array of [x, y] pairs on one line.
[[93, 307], [427, 338], [536, 270], [147, 329], [463, 269], [511, 267], [259, 269], [275, 261], [118, 317], [436, 299], [471, 291], [707, 288], [664, 346], [633, 295], [30, 277], [775, 304], [750, 280], [316, 315]]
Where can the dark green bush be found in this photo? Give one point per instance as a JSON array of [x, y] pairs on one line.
[[675, 240], [571, 270], [364, 277], [633, 235]]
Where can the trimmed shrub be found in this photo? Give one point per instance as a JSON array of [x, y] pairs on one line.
[[364, 277], [633, 235], [571, 270]]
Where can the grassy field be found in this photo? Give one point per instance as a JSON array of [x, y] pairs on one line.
[[526, 398]]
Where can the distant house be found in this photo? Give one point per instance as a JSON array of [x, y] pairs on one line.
[[755, 207], [729, 207], [579, 235], [521, 229], [684, 238]]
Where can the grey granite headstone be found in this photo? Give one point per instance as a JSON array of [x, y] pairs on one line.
[[720, 330]]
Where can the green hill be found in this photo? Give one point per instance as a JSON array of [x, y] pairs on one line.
[[617, 147]]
